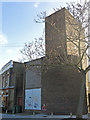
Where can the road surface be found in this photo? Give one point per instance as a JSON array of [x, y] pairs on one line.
[[21, 116]]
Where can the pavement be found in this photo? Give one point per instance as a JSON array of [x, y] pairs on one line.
[[24, 116]]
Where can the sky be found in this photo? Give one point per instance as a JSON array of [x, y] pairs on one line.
[[17, 25]]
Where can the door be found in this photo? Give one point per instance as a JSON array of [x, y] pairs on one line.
[[20, 101]]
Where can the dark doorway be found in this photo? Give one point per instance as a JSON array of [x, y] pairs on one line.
[[20, 101], [89, 98]]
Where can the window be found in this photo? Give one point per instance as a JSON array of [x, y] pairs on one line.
[[7, 80], [3, 81]]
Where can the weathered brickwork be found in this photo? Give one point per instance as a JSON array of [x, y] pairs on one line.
[[61, 90], [33, 74], [55, 35]]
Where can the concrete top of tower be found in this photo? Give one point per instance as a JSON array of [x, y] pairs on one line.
[[58, 11], [63, 11]]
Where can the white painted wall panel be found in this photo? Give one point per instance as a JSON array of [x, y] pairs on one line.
[[33, 99]]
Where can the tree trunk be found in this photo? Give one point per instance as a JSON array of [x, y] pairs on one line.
[[81, 97]]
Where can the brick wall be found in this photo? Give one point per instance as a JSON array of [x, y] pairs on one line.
[[55, 35], [61, 90], [33, 74]]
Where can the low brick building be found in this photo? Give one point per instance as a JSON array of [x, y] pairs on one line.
[[11, 90], [56, 89]]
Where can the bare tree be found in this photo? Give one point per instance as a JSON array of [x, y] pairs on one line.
[[33, 50]]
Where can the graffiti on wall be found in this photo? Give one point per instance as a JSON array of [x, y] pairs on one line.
[[33, 99]]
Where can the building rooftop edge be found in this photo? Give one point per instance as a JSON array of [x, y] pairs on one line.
[[56, 12]]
